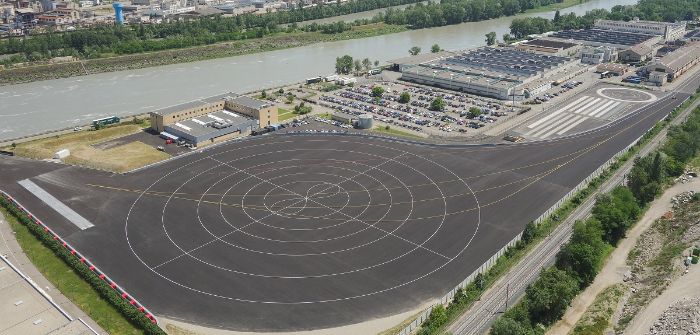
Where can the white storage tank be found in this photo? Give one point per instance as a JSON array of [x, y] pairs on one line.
[[61, 154], [364, 121]]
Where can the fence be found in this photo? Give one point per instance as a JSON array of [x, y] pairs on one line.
[[491, 261], [121, 291]]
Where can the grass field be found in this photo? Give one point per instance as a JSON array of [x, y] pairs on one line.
[[395, 132], [284, 114], [70, 283], [119, 159]]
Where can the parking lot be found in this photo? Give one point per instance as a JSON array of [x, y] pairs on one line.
[[462, 114]]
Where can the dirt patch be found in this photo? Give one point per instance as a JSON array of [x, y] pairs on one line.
[[110, 149]]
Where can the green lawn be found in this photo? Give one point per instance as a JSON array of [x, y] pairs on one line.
[[284, 114], [69, 282], [395, 132]]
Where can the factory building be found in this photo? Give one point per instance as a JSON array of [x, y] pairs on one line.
[[213, 119], [551, 47], [636, 54], [500, 73], [601, 37], [676, 63], [669, 31]]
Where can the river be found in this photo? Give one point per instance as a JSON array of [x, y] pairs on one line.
[[32, 108]]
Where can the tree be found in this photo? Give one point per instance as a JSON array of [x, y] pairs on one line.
[[474, 112], [549, 296], [263, 94], [376, 63], [358, 65], [404, 97], [508, 326], [529, 232], [14, 146], [290, 98], [557, 16], [343, 65], [616, 212], [491, 38], [280, 91], [377, 91], [435, 48], [583, 254], [367, 64], [438, 104], [507, 38], [414, 51]]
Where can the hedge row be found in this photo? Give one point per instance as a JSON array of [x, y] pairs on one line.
[[108, 291]]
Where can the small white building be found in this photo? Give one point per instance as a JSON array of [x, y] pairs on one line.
[[345, 80], [598, 55], [658, 77]]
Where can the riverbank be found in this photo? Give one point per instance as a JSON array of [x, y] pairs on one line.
[[137, 61], [277, 41]]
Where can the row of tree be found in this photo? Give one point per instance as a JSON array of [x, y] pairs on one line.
[[579, 260], [346, 64]]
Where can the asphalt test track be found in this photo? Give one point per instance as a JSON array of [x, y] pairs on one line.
[[296, 232]]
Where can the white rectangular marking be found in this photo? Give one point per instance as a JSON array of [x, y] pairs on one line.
[[553, 124], [198, 121], [601, 107], [608, 110], [571, 126], [229, 113], [55, 204], [216, 118], [560, 110], [535, 124], [183, 126], [582, 108], [562, 126], [580, 99], [573, 106]]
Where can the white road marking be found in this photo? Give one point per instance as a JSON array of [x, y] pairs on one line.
[[589, 104], [571, 126], [553, 124], [564, 125], [603, 107], [608, 110], [56, 204]]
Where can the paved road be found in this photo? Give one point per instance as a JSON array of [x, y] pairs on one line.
[[512, 286]]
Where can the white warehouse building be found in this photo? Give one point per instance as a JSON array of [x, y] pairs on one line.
[[669, 31]]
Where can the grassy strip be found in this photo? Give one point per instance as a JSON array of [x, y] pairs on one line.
[[395, 132], [284, 114], [596, 319], [555, 6], [68, 281], [465, 298], [73, 269]]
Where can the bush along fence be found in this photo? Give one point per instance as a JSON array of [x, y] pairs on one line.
[[474, 280], [126, 304]]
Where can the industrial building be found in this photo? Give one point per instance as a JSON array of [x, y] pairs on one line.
[[552, 47], [676, 63], [601, 37], [636, 54], [598, 55], [669, 31], [213, 119], [494, 72]]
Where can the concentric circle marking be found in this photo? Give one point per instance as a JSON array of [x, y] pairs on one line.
[[626, 94], [286, 199]]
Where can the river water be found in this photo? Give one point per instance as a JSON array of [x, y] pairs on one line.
[[31, 108]]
